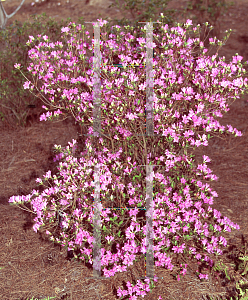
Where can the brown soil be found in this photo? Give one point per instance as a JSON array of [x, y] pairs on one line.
[[31, 266]]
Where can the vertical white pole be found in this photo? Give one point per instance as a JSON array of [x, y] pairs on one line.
[[97, 226], [97, 83], [149, 81], [149, 168], [97, 130]]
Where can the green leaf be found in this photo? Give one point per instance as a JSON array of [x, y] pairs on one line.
[[136, 176], [211, 227], [187, 237], [245, 271]]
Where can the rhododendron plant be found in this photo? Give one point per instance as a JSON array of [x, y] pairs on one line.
[[188, 92]]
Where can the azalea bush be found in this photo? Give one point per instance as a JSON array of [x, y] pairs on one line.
[[188, 92]]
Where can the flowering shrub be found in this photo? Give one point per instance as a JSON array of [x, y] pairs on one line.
[[183, 221]]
